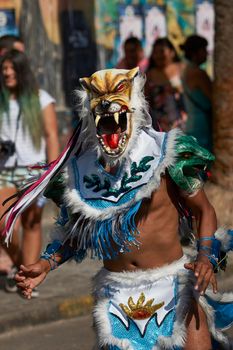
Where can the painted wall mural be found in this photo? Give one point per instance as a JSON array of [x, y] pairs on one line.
[[116, 20], [9, 17], [8, 22], [155, 25], [205, 19]]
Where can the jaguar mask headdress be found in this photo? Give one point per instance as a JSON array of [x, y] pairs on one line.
[[115, 110]]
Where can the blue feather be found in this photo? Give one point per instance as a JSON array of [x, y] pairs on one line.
[[122, 234]]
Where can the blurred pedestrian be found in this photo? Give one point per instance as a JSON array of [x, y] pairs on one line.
[[197, 91], [133, 55], [9, 42], [164, 87], [28, 135]]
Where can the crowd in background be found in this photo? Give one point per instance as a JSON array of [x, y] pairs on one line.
[[179, 93]]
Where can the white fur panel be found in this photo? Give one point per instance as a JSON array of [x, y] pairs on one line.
[[135, 278], [222, 298], [222, 235]]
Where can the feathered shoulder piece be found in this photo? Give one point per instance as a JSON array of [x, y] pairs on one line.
[[56, 189]]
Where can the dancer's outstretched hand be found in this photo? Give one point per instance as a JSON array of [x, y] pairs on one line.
[[31, 276], [204, 272]]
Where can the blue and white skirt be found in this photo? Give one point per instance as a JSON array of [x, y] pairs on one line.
[[147, 309]]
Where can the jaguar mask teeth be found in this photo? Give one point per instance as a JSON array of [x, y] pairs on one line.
[[113, 131], [97, 119], [116, 117]]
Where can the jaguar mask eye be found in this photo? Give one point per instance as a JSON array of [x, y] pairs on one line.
[[187, 155]]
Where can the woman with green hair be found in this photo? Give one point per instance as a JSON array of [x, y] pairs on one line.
[[28, 135]]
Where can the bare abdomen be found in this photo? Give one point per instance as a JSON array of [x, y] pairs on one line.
[[159, 243]]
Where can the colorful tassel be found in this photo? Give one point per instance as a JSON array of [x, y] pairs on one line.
[[39, 186]]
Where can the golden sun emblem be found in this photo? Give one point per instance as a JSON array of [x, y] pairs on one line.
[[140, 311]]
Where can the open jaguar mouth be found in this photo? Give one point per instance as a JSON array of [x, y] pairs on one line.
[[113, 131], [195, 170]]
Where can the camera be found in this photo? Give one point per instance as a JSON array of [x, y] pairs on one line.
[[7, 148]]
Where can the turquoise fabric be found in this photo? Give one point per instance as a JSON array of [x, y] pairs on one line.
[[223, 320], [147, 340], [198, 107], [223, 313]]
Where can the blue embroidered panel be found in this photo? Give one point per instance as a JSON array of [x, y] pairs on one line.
[[104, 203], [149, 338], [99, 184]]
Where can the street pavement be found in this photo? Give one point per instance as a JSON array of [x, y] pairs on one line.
[[69, 334], [65, 294]]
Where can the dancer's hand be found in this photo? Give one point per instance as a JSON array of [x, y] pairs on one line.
[[204, 272], [31, 276]]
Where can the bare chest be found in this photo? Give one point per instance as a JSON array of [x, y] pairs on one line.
[[158, 216]]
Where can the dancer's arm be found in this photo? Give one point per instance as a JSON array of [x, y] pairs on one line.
[[206, 227], [31, 276]]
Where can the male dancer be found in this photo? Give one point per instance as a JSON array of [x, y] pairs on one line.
[[119, 185]]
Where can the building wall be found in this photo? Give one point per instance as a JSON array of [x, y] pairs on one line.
[[88, 8], [58, 36], [61, 35], [147, 19]]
